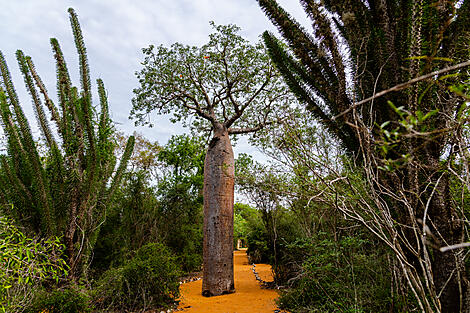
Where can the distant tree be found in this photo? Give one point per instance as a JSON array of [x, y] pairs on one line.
[[145, 155], [231, 87], [165, 209], [387, 47], [180, 198], [66, 192]]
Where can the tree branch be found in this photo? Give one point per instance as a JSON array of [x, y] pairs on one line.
[[184, 96], [403, 86], [199, 85], [196, 108], [239, 112], [246, 130]]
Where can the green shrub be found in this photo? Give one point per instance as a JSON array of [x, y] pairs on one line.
[[70, 300], [349, 275], [258, 246], [25, 263], [148, 280]]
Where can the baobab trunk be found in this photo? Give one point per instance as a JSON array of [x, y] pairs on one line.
[[219, 177]]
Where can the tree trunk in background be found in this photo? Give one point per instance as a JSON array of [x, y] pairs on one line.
[[219, 178]]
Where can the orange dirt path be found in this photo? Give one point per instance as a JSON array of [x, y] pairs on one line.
[[248, 296]]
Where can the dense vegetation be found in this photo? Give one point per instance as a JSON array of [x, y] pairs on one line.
[[361, 204], [400, 124]]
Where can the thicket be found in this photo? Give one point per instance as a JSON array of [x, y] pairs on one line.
[[62, 300], [166, 208], [27, 263], [347, 210], [322, 260], [148, 279], [381, 78]]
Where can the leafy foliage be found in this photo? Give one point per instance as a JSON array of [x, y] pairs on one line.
[[180, 196], [145, 154], [344, 275], [69, 300], [148, 279], [26, 263], [218, 82], [244, 216], [169, 213], [131, 222]]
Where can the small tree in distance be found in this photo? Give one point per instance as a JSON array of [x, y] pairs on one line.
[[232, 88]]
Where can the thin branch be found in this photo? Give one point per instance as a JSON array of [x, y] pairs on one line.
[[195, 108], [246, 130], [199, 85], [242, 109], [404, 85], [456, 246]]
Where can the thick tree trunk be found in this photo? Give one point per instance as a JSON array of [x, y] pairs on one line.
[[219, 177], [448, 268], [446, 226], [426, 183]]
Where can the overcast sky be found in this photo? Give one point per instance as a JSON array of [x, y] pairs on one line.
[[114, 33]]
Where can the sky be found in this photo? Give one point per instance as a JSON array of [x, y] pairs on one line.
[[114, 33]]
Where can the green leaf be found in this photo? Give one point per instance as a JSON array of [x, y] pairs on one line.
[[384, 124]]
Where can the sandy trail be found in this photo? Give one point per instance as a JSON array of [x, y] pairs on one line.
[[248, 296]]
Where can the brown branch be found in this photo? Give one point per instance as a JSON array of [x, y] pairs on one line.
[[195, 108], [403, 86], [242, 109], [230, 84], [224, 111], [218, 98], [245, 130], [199, 85]]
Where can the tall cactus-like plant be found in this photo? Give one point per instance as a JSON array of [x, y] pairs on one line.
[[66, 192]]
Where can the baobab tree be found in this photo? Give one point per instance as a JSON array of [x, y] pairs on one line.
[[232, 88]]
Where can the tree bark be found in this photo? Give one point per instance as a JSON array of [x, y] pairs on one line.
[[219, 178], [443, 221], [448, 267]]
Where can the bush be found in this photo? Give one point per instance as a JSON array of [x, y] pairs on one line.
[[26, 263], [349, 275], [148, 280], [70, 300], [258, 246]]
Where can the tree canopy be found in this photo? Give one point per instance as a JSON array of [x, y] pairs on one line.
[[217, 82]]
